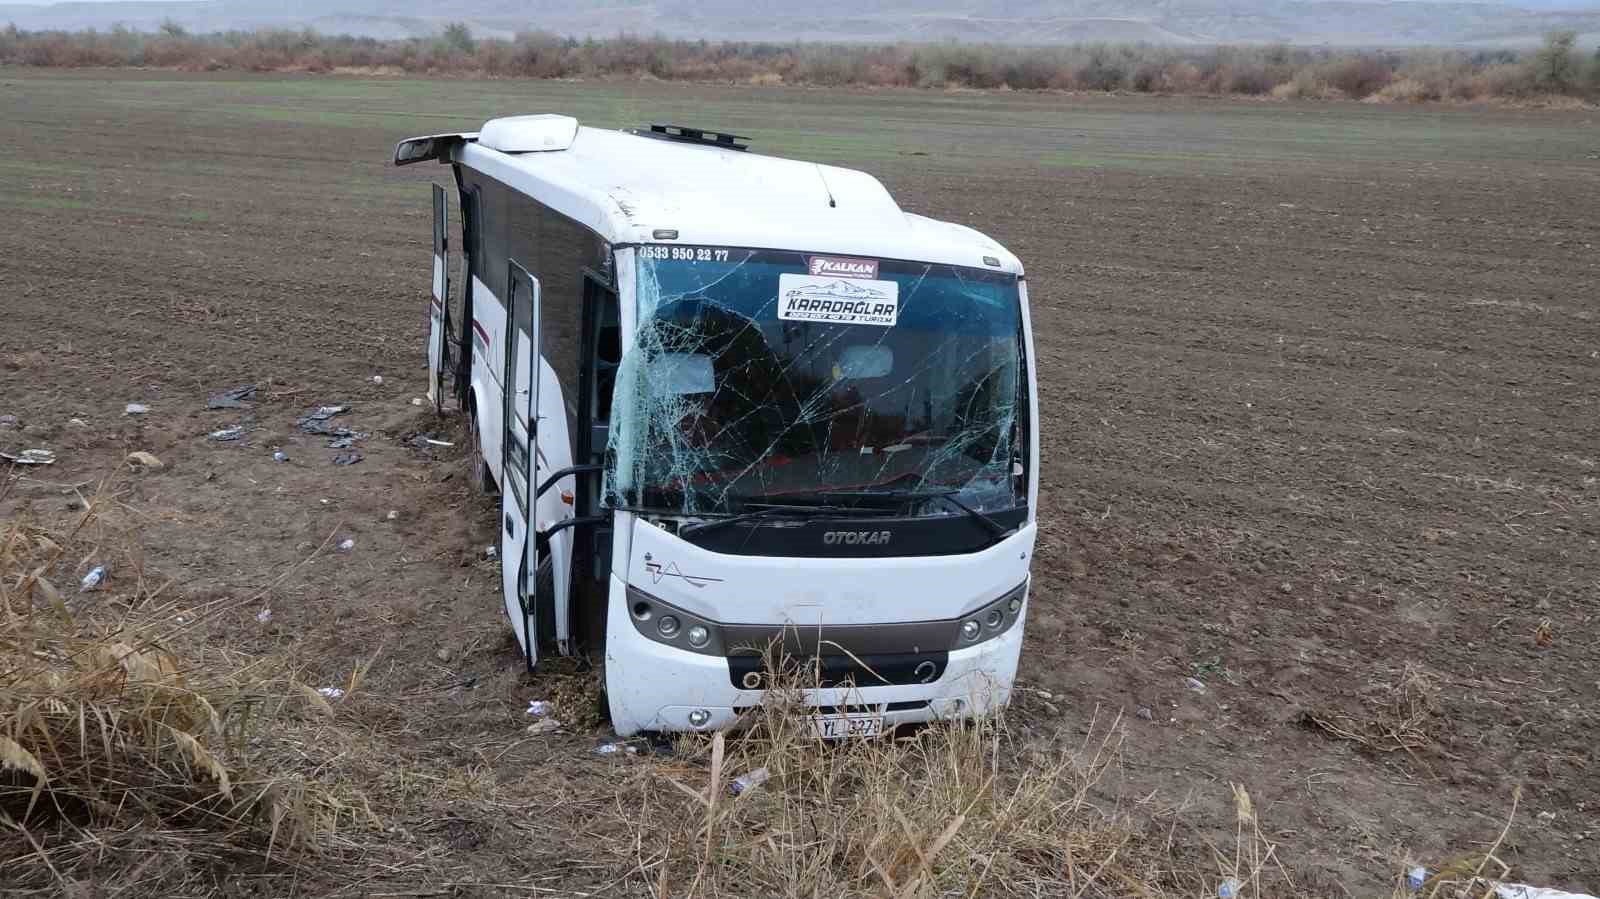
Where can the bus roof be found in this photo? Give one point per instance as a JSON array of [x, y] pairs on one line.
[[628, 186]]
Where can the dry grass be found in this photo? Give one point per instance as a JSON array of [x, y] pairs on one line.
[[971, 809], [1400, 716], [123, 761]]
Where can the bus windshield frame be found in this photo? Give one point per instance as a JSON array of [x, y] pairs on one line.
[[770, 379]]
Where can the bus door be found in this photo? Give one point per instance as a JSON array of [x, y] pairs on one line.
[[438, 326], [519, 563]]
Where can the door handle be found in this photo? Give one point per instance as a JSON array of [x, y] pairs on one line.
[[511, 527]]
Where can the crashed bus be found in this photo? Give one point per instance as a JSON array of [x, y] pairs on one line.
[[734, 403]]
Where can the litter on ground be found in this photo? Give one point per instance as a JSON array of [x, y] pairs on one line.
[[31, 457], [135, 409], [232, 432], [232, 399], [349, 458]]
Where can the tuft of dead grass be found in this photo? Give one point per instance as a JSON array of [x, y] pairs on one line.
[[120, 759], [953, 809], [1402, 716]]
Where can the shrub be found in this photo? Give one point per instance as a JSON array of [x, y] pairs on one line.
[[1358, 76], [1554, 67]]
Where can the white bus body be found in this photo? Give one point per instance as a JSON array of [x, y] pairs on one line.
[[772, 409]]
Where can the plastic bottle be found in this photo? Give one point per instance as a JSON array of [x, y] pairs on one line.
[[1416, 877], [93, 579], [749, 781]]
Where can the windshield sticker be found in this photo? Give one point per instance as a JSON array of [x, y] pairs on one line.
[[843, 301], [842, 268]]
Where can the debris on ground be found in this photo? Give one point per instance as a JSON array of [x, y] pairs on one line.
[[316, 421], [31, 457], [135, 409], [331, 692], [147, 461], [230, 433], [92, 580], [280, 456], [491, 552], [264, 616], [538, 708], [377, 379], [347, 544], [416, 401], [349, 458], [8, 421], [1194, 684], [544, 726], [393, 514], [607, 749], [232, 399], [1145, 713], [748, 781], [77, 423], [344, 438], [1522, 891], [1229, 888]]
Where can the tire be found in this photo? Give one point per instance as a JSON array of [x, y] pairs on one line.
[[478, 477]]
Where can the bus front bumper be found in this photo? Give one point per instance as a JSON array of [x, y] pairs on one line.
[[651, 686]]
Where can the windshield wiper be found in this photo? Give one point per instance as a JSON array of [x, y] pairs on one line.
[[772, 511], [995, 527]]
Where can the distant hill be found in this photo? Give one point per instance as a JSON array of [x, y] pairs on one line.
[[1338, 22]]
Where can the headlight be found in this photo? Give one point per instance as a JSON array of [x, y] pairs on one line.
[[991, 619], [668, 624], [970, 630]]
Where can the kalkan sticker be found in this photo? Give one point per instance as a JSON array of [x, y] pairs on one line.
[[836, 300], [842, 267]]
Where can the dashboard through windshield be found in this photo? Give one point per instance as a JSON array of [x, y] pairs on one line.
[[762, 378]]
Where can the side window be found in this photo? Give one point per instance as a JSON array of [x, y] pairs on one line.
[[607, 352]]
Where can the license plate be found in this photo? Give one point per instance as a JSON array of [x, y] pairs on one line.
[[843, 727]]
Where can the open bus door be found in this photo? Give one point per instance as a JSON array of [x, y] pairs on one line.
[[438, 326], [519, 561]]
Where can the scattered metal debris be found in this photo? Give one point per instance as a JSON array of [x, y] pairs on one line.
[[347, 544], [1195, 685], [349, 458], [264, 616], [135, 409], [432, 442], [377, 379], [544, 726], [280, 456], [232, 399], [31, 457], [331, 692], [538, 708], [230, 433]]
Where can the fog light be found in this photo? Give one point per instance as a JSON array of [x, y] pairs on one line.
[[992, 618], [969, 630], [1015, 605], [699, 718], [698, 636], [668, 626]]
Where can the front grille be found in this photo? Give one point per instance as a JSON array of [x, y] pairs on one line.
[[883, 670]]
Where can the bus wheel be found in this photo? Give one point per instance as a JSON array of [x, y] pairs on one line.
[[477, 469]]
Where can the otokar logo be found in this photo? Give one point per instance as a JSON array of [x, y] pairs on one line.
[[840, 267], [831, 299], [856, 538]]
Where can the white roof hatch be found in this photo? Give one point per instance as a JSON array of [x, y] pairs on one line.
[[529, 133]]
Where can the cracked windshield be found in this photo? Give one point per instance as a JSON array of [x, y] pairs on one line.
[[762, 378]]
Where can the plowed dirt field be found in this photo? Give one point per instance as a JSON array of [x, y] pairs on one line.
[[1320, 388]]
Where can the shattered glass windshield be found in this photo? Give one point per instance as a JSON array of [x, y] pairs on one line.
[[761, 377]]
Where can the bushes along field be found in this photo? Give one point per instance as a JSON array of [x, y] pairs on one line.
[[1560, 68]]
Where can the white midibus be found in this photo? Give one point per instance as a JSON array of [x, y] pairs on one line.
[[732, 401]]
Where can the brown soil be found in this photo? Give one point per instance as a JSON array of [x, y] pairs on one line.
[[1320, 388]]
